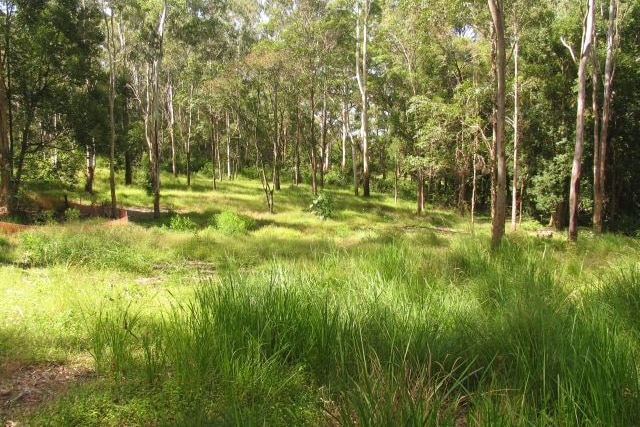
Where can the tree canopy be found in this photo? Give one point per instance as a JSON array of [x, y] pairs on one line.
[[442, 101]]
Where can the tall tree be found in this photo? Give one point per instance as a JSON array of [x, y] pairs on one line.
[[362, 42], [574, 191], [600, 143], [5, 152], [108, 12], [499, 185]]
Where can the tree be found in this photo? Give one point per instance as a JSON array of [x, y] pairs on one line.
[[574, 191], [499, 186], [48, 49], [363, 10], [146, 89], [5, 152], [108, 12], [601, 140]]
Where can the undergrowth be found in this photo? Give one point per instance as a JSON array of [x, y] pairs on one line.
[[372, 340]]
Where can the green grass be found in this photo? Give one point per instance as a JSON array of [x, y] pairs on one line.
[[373, 317]]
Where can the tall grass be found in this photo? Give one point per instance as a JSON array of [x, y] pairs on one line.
[[372, 340]]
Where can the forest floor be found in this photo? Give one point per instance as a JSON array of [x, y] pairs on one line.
[[219, 313]]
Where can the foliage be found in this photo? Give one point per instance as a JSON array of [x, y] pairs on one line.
[[182, 223], [45, 217], [231, 223], [322, 205], [71, 214]]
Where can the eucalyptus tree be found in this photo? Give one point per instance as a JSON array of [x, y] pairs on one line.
[[499, 181], [108, 12], [5, 146], [363, 14], [148, 20], [601, 130], [583, 61]]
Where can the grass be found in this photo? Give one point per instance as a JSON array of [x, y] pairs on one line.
[[372, 317]]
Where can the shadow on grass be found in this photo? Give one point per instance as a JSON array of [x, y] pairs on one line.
[[6, 251]]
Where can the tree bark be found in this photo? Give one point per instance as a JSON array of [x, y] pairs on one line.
[[5, 151], [276, 139], [361, 75], [312, 154], [600, 149], [111, 50], [228, 120], [574, 192], [516, 130], [90, 158], [188, 141], [420, 192], [499, 167], [172, 123]]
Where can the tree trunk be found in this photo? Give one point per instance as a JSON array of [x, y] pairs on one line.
[[228, 120], [345, 131], [128, 156], [5, 151], [574, 192], [420, 192], [595, 107], [361, 75], [155, 110], [600, 149], [276, 140], [111, 49], [172, 122], [188, 142], [90, 157], [323, 136], [516, 130], [474, 186], [499, 167], [312, 155], [296, 149], [214, 149]]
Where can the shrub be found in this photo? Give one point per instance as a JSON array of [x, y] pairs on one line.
[[45, 218], [71, 214], [182, 223], [322, 205], [229, 222], [336, 178]]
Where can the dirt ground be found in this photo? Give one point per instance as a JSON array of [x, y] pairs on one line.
[[25, 387]]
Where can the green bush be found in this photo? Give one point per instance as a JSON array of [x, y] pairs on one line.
[[337, 179], [322, 205], [71, 214], [182, 223], [229, 222], [45, 218]]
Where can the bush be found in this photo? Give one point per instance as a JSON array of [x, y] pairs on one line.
[[71, 214], [229, 222], [322, 205], [182, 223], [337, 179], [45, 218]]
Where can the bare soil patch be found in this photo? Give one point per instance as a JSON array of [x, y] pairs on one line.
[[25, 387]]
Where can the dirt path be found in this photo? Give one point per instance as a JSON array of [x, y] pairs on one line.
[[24, 387]]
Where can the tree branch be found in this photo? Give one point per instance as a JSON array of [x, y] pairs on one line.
[[568, 46]]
